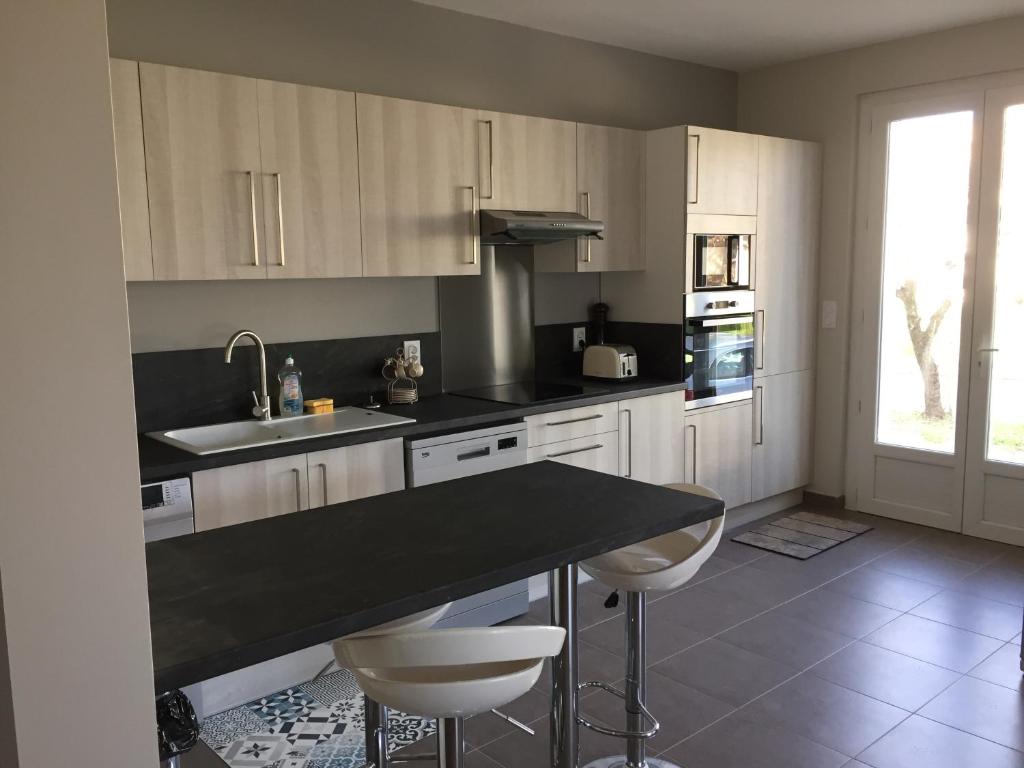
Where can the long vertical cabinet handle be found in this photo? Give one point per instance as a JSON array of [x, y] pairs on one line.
[[298, 490], [629, 440], [323, 474], [280, 217], [490, 161], [759, 394], [474, 227], [252, 212], [693, 455], [693, 161], [759, 332], [585, 196]]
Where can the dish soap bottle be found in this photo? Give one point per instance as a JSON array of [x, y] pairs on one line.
[[290, 399]]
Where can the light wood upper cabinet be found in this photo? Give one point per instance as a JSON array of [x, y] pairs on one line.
[[356, 471], [651, 438], [721, 172], [131, 170], [788, 211], [783, 423], [718, 451], [610, 167], [309, 181], [418, 187], [203, 165], [253, 491], [526, 163]]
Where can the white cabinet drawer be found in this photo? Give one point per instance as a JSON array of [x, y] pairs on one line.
[[558, 426], [597, 452]]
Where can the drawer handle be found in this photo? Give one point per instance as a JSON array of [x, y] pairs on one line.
[[298, 490], [574, 421], [574, 450], [323, 472]]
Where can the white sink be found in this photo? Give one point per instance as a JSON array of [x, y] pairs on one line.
[[217, 438]]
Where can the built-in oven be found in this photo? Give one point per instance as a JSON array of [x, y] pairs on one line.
[[718, 347], [720, 262]]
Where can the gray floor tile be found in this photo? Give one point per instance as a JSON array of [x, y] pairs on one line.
[[666, 636], [703, 611], [477, 759], [940, 644], [591, 599], [921, 743], [725, 672], [856, 764], [783, 638], [984, 709], [737, 553], [885, 675], [680, 709], [762, 588], [839, 613], [923, 565], [826, 713], [883, 588], [736, 742], [962, 547], [485, 728], [1002, 668], [1001, 581], [986, 617]]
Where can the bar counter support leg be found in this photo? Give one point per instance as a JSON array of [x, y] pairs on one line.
[[565, 730]]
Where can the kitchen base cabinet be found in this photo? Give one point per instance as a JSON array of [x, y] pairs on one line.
[[355, 472], [651, 438], [783, 421], [252, 491], [558, 426], [598, 452], [718, 451]]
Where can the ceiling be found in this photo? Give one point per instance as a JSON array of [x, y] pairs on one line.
[[737, 34]]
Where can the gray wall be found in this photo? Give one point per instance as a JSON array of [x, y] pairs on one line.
[[396, 48]]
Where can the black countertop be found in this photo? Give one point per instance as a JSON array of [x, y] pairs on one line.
[[159, 461], [227, 598]]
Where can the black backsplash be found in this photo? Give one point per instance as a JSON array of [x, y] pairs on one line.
[[192, 387], [659, 349]]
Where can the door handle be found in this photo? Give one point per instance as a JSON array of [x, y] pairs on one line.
[[693, 455], [586, 196], [323, 472], [474, 227], [280, 217], [629, 440], [760, 415], [490, 161], [759, 332], [693, 154], [298, 491], [252, 216]]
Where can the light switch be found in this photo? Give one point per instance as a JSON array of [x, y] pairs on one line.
[[829, 313]]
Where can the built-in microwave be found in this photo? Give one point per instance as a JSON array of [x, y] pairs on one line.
[[718, 348], [721, 262]]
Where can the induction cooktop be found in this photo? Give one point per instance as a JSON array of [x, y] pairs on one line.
[[526, 392]]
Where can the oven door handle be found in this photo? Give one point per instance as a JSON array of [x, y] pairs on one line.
[[715, 322]]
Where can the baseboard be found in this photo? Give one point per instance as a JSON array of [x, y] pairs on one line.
[[748, 513], [825, 501]]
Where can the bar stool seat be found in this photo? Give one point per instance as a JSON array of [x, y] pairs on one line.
[[661, 563], [450, 674]]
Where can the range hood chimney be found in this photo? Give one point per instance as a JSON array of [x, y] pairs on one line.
[[535, 227]]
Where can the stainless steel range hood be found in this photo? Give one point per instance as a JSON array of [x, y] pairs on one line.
[[535, 227]]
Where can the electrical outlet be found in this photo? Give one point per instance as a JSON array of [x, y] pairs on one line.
[[579, 338], [411, 348]]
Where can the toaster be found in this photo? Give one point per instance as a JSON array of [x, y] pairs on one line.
[[610, 361]]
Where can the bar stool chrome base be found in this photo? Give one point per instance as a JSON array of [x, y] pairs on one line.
[[619, 761]]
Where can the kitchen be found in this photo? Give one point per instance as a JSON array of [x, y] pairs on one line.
[[698, 264]]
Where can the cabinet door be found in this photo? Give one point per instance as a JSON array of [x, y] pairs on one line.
[[651, 444], [527, 163], [417, 188], [203, 167], [598, 452], [610, 166], [718, 451], [721, 172], [310, 181], [783, 415], [786, 280], [250, 491], [356, 471], [131, 170]]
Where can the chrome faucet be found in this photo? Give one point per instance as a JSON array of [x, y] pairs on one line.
[[262, 408]]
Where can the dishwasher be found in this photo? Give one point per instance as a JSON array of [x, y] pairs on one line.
[[448, 456]]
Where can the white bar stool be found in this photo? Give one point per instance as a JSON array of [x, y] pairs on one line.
[[450, 674], [376, 714], [662, 563]]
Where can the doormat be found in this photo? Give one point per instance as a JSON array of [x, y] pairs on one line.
[[318, 724], [802, 535]]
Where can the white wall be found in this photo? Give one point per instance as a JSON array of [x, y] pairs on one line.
[[817, 99], [72, 562]]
